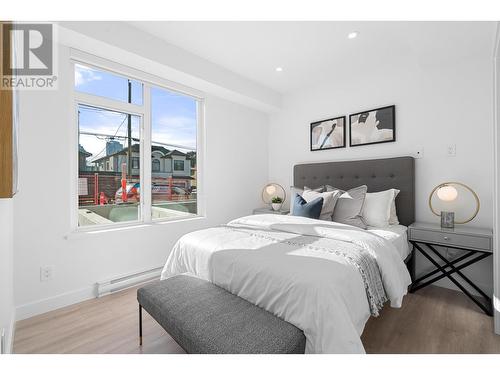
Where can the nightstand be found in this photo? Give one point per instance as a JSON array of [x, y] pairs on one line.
[[267, 210], [476, 243]]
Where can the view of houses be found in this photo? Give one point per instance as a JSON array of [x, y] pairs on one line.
[[173, 173]]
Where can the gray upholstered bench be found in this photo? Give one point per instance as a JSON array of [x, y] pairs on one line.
[[204, 318]]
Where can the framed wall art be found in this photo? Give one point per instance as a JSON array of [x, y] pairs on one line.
[[373, 126], [328, 134]]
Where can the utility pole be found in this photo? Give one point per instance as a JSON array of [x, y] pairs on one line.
[[129, 134]]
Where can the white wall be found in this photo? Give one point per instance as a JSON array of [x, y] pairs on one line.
[[235, 171], [7, 312], [435, 106]]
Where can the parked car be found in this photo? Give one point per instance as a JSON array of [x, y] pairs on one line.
[[160, 192], [133, 193]]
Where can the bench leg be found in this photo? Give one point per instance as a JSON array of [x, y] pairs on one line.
[[140, 324]]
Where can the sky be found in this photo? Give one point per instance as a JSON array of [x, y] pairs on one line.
[[173, 115]]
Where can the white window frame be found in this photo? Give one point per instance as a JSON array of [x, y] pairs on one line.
[[148, 80]]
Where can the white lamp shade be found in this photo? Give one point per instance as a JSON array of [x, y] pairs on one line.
[[270, 189], [447, 193]]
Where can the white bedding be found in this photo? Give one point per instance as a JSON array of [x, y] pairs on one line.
[[397, 235], [310, 285]]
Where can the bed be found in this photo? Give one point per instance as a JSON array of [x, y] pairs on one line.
[[325, 278]]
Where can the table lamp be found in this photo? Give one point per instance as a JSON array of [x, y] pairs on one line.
[[448, 192]]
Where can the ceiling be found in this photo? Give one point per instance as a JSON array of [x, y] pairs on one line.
[[311, 52]]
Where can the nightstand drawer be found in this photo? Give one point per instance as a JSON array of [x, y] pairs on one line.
[[452, 239]]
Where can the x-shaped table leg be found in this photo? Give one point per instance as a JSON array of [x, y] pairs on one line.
[[418, 284]]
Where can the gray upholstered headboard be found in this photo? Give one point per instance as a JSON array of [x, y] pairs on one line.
[[377, 174]]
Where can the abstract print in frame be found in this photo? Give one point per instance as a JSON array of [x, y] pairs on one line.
[[373, 126], [328, 134]]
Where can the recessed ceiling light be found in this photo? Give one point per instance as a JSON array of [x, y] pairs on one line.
[[352, 35], [279, 69]]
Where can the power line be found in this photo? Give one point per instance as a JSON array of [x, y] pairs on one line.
[[105, 136], [117, 130], [171, 145], [98, 110]]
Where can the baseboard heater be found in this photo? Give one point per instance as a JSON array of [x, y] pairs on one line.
[[126, 281]]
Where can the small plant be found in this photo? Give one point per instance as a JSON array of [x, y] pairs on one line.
[[277, 200]]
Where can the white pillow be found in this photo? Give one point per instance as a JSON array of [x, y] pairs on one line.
[[393, 220], [376, 210], [329, 201], [296, 190]]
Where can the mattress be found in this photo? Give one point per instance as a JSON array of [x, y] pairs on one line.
[[324, 277], [397, 235]]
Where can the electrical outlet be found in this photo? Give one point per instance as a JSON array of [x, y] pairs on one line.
[[419, 153], [451, 150], [46, 273]]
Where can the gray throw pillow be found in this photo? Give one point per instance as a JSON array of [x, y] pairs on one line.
[[349, 206]]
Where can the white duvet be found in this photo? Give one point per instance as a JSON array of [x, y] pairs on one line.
[[288, 265]]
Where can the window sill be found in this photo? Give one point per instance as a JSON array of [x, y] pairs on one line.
[[89, 231]]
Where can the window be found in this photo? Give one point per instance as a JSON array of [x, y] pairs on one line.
[[100, 83], [156, 165], [111, 114], [135, 163], [174, 130], [178, 165], [106, 164]]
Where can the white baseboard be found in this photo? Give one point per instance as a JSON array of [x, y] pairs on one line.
[[496, 314], [69, 298], [7, 343], [445, 283], [52, 303], [12, 330]]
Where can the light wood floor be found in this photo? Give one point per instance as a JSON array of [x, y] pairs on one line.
[[433, 320]]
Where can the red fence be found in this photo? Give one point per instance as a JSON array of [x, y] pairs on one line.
[[100, 188]]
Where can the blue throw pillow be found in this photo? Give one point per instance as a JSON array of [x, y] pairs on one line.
[[310, 209]]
